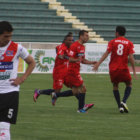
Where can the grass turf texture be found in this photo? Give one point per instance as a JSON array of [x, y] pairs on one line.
[[42, 121]]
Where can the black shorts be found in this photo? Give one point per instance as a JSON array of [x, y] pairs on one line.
[[9, 107]]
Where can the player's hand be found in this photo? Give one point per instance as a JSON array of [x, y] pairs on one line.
[[95, 68], [94, 62], [17, 81], [135, 76]]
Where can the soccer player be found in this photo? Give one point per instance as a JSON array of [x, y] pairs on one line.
[[121, 49], [60, 67], [73, 78], [9, 82]]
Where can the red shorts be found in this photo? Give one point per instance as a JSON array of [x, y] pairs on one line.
[[119, 75], [73, 79], [58, 79]]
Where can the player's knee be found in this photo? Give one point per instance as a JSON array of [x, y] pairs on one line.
[[115, 86], [75, 91], [84, 89], [129, 84]]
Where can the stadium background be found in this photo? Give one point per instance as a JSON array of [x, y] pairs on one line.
[[41, 25]]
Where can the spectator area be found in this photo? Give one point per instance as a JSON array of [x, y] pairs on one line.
[[104, 15], [34, 21]]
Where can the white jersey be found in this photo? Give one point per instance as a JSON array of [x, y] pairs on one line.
[[9, 68]]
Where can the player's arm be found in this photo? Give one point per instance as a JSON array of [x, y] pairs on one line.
[[104, 56], [85, 61], [31, 64], [72, 53], [132, 62], [72, 59], [60, 53]]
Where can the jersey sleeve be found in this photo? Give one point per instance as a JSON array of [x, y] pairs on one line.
[[23, 53], [109, 47], [61, 51], [131, 49], [81, 51]]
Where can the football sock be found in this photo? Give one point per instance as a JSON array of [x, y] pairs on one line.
[[126, 94], [117, 97], [64, 93], [4, 131], [81, 100], [46, 91]]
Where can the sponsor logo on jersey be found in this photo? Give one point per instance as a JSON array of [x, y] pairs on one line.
[[4, 75], [6, 65]]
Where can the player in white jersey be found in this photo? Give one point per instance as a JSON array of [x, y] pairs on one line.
[[9, 82]]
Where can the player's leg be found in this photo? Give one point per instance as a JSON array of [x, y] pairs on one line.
[[58, 85], [38, 92], [4, 131], [82, 107], [81, 90], [115, 79], [127, 93], [127, 79], [54, 95], [56, 80], [116, 93], [8, 113]]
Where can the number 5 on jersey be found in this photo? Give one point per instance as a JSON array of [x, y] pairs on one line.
[[10, 113], [120, 49]]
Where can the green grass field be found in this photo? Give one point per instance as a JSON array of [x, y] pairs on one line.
[[42, 121]]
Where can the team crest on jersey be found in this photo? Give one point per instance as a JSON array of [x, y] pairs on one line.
[[9, 53]]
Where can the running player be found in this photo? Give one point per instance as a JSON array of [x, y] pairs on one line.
[[120, 49], [60, 67]]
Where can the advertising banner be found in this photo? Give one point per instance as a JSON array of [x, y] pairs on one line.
[[45, 59]]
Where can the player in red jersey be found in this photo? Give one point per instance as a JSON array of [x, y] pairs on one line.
[[73, 78], [121, 49], [60, 67], [61, 64]]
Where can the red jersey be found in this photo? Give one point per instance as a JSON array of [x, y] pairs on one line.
[[120, 48], [61, 63], [76, 50]]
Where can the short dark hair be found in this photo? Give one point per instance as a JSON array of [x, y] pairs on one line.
[[82, 32], [5, 26], [121, 30], [70, 34]]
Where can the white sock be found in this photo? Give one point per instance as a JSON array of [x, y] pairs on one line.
[[4, 131]]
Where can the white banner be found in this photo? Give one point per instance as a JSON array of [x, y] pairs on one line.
[[45, 58]]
